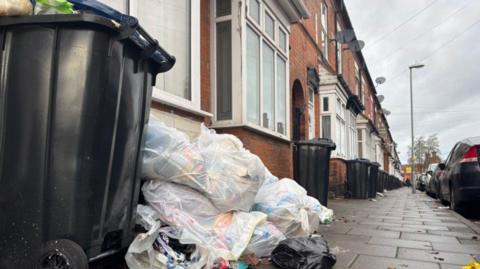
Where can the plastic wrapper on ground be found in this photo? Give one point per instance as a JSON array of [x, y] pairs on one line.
[[199, 222], [284, 203], [265, 238], [303, 253]]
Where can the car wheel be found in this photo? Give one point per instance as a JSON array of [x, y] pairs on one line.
[[62, 254], [454, 203]]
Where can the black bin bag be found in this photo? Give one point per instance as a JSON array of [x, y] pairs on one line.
[[303, 253]]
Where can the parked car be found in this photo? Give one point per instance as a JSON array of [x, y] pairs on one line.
[[460, 180], [421, 182], [432, 182]]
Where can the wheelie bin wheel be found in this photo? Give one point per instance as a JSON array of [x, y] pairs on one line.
[[62, 254]]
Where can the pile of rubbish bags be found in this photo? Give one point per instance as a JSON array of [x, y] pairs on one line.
[[210, 203]]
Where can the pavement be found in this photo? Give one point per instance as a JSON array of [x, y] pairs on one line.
[[398, 231]]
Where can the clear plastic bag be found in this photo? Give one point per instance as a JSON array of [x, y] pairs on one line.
[[168, 155], [284, 203], [235, 173], [264, 240], [216, 165], [324, 214], [15, 7], [199, 222]]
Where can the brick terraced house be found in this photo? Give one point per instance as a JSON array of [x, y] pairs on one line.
[[270, 72]]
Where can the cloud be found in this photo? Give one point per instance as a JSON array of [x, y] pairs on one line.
[[446, 94]]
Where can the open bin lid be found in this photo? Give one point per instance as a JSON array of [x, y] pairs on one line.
[[322, 142]]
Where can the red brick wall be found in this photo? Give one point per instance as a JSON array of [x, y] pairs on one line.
[[337, 177], [276, 154]]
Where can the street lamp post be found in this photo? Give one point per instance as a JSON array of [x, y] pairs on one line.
[[411, 122]]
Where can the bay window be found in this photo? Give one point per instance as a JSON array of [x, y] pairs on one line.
[[266, 72]]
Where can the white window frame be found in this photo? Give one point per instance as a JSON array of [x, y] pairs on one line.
[[329, 112], [172, 99], [324, 28], [311, 113], [278, 51], [339, 52]]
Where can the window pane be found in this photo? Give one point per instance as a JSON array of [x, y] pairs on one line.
[[281, 95], [169, 22], [224, 71], [253, 76], [224, 8], [269, 26], [282, 40], [326, 127], [268, 90], [325, 104], [254, 10]]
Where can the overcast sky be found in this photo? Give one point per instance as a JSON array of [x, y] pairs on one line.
[[445, 36]]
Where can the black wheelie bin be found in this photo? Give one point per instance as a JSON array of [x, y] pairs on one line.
[[357, 179], [373, 179], [75, 98], [312, 161]]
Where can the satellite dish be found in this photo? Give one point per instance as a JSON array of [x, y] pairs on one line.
[[381, 98], [380, 80], [345, 36], [356, 45], [386, 112]]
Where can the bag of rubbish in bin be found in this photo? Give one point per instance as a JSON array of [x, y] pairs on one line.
[[15, 7], [303, 253], [235, 173], [168, 155], [43, 7], [265, 238], [284, 203], [199, 222], [324, 214]]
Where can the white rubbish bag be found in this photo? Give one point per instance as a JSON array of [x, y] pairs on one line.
[[15, 7], [199, 222], [265, 239], [235, 173], [324, 215], [168, 155], [216, 165], [284, 203]]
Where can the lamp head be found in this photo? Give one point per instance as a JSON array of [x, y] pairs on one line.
[[416, 66]]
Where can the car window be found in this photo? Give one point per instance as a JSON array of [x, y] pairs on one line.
[[447, 161]]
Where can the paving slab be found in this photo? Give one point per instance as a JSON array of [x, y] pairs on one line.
[[373, 262], [374, 233], [459, 248], [429, 238], [401, 243], [434, 256]]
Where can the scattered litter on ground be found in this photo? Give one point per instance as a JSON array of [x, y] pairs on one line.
[[217, 198], [443, 207], [380, 194], [372, 200]]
